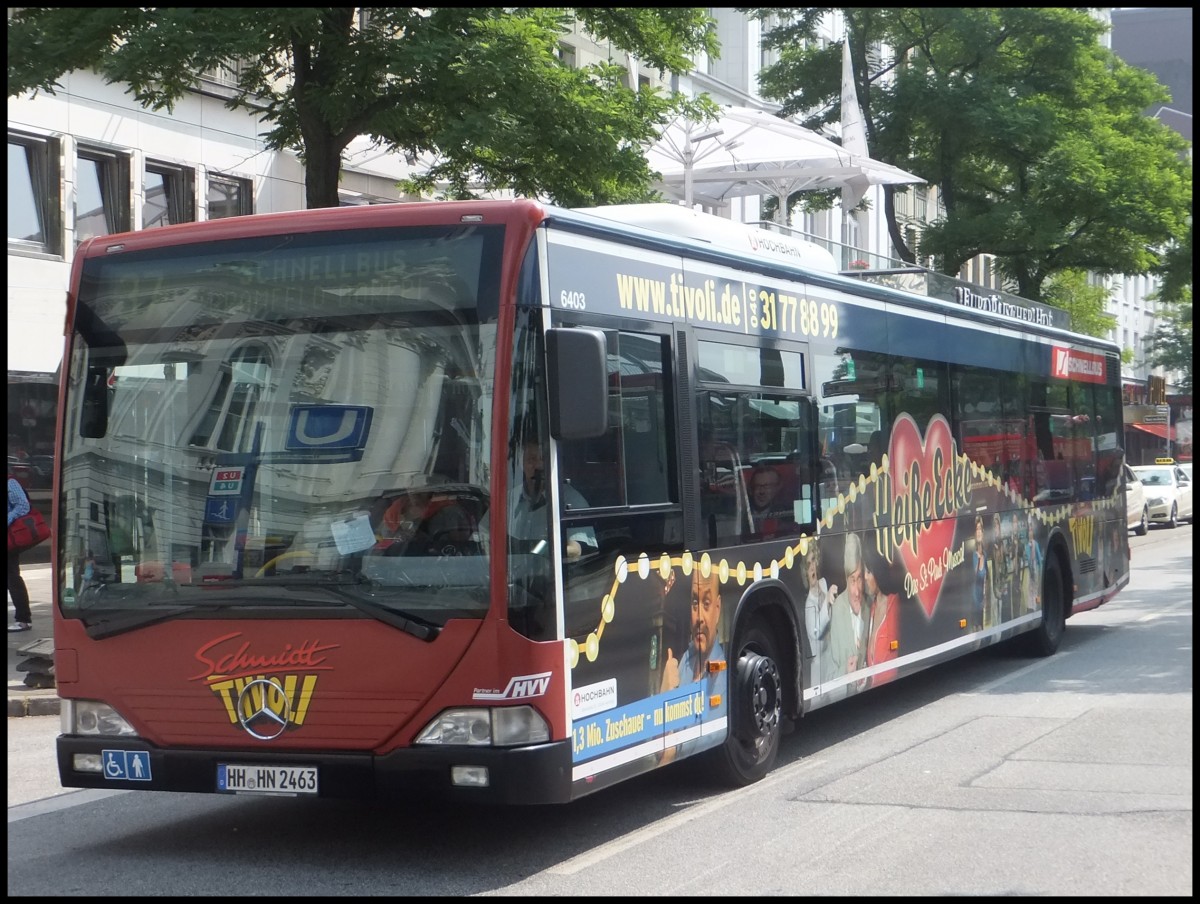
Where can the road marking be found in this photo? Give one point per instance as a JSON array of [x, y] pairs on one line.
[[61, 802]]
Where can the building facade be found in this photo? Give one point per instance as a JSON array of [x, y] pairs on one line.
[[1158, 416]]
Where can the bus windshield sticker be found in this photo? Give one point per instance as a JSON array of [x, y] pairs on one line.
[[328, 428], [353, 533]]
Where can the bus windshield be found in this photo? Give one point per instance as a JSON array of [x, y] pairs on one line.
[[234, 437]]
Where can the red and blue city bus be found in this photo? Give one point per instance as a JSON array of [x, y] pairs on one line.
[[454, 498]]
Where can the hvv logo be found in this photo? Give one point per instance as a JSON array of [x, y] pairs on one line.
[[518, 687], [328, 428]]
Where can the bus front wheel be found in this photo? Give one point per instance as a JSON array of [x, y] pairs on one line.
[[756, 710]]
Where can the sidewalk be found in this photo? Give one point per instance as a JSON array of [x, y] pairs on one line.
[[22, 699]]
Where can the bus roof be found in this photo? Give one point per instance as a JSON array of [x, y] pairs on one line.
[[651, 223], [705, 227], [709, 236]]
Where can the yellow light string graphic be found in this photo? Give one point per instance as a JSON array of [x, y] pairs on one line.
[[664, 564]]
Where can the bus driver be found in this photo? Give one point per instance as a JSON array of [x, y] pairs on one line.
[[527, 518]]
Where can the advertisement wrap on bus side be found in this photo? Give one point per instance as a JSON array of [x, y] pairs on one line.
[[904, 536]]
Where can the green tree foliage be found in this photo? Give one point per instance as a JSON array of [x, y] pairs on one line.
[[480, 90], [1171, 343], [1070, 290], [1175, 272], [1033, 132]]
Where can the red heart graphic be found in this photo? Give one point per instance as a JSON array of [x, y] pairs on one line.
[[911, 463]]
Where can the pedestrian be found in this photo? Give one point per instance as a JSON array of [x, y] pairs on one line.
[[18, 505]]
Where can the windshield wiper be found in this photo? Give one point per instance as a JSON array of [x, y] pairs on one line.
[[336, 586], [126, 621]]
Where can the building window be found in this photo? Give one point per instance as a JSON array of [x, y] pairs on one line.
[[169, 195], [228, 423], [921, 203], [102, 188], [226, 73], [347, 198], [34, 190], [229, 197], [851, 231], [566, 53]]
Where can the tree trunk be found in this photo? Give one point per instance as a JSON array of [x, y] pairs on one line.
[[899, 242], [322, 169]]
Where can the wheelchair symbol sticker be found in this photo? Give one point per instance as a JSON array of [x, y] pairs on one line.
[[126, 765]]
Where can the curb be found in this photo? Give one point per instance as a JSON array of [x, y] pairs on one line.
[[36, 703]]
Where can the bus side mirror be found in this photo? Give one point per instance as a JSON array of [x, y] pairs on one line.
[[577, 361]]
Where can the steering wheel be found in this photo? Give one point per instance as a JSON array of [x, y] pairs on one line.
[[291, 554]]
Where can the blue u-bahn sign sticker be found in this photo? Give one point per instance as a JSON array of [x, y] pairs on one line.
[[220, 510], [320, 429]]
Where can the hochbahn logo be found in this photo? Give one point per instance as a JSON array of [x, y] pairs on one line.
[[1070, 364]]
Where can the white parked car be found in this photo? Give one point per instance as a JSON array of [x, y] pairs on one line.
[[1168, 493], [1137, 513]]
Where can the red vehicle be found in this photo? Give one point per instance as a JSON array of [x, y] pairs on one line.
[[449, 498]]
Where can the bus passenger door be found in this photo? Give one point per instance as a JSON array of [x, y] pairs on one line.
[[626, 487]]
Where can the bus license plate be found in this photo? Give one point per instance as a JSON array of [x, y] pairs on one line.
[[239, 778]]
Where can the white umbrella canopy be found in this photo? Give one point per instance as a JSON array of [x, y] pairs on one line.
[[750, 152]]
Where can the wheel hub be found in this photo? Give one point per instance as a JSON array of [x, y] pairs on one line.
[[764, 694]]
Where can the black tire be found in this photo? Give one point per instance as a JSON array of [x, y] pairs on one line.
[[1045, 638], [755, 710], [1144, 526], [1173, 521]]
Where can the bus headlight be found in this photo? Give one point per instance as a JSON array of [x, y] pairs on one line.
[[505, 726], [90, 717], [514, 725]]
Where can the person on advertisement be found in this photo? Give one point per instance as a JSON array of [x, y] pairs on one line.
[[704, 645]]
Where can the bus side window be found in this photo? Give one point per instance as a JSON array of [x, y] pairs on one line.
[[590, 467], [628, 465], [724, 501]]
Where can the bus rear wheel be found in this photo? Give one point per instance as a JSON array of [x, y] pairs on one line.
[[1045, 638], [756, 710]]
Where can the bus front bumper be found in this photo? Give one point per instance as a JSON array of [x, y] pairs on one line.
[[538, 774]]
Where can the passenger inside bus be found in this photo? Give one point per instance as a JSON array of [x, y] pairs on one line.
[[724, 502], [770, 508], [434, 517]]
